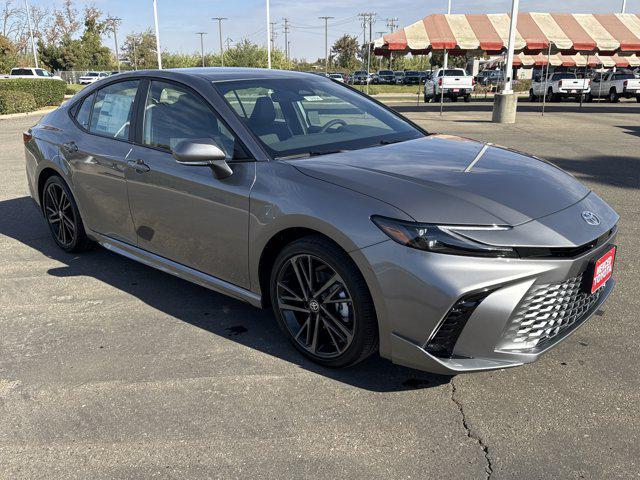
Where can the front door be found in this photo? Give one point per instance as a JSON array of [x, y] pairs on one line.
[[180, 212]]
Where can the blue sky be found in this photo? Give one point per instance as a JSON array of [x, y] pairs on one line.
[[179, 20]]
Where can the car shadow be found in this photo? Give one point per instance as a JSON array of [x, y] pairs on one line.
[[187, 302], [631, 129], [612, 170]]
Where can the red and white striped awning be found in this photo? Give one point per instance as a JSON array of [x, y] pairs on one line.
[[605, 33], [560, 60]]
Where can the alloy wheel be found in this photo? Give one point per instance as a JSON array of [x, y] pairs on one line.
[[60, 215], [316, 306]]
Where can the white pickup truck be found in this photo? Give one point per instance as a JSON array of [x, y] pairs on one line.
[[30, 72], [615, 85], [451, 83], [90, 77], [558, 86]]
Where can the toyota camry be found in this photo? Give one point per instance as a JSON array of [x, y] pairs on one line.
[[362, 231]]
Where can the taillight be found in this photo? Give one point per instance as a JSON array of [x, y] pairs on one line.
[[473, 82], [626, 82], [560, 84], [26, 136]]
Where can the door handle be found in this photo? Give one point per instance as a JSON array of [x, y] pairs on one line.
[[139, 165], [70, 146]]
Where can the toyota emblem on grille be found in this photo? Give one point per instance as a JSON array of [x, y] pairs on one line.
[[590, 217]]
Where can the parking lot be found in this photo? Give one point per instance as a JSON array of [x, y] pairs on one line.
[[110, 369]]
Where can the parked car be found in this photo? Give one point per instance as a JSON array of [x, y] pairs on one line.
[[30, 72], [451, 83], [373, 78], [90, 77], [361, 77], [614, 86], [425, 76], [452, 256], [490, 77], [411, 77], [337, 76], [399, 77], [558, 86], [386, 77]]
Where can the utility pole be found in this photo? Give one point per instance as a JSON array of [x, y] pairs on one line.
[[391, 25], [326, 45], [367, 21], [268, 36], [155, 19], [202, 34], [286, 38], [446, 52], [114, 22], [220, 19], [33, 42], [274, 34]]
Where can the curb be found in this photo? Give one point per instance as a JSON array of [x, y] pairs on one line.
[[42, 111]]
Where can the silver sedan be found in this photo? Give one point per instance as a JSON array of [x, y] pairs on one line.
[[362, 231]]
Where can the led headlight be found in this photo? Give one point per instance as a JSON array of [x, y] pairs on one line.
[[448, 239]]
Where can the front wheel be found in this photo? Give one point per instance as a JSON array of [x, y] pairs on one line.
[[532, 96], [62, 216], [613, 97], [322, 303]]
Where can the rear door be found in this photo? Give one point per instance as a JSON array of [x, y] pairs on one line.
[[97, 151], [183, 213]]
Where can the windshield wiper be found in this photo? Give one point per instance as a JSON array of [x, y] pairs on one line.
[[309, 154]]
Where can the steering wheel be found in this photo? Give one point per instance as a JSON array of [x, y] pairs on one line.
[[331, 123]]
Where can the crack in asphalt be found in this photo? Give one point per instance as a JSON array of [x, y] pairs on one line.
[[474, 436]]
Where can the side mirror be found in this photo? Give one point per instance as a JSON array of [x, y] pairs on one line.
[[202, 152]]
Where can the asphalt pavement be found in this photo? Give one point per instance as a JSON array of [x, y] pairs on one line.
[[110, 369]]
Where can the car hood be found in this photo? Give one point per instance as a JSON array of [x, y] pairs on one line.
[[452, 180]]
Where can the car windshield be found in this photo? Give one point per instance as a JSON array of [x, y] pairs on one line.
[[92, 74], [296, 117], [42, 73]]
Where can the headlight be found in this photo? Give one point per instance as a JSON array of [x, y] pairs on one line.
[[447, 239]]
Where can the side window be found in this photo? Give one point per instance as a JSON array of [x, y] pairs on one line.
[[113, 108], [173, 114], [84, 112]]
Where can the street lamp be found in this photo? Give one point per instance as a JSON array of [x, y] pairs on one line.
[[33, 42], [155, 19], [268, 37]]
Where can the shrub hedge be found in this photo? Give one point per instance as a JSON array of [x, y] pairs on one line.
[[16, 102], [44, 91], [73, 88]]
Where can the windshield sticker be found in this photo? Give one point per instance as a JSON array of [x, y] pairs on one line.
[[313, 98]]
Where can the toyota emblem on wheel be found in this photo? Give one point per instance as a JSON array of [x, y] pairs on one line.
[[590, 217]]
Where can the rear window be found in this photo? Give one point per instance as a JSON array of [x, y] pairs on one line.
[[624, 76], [453, 73], [84, 112], [563, 76], [385, 72], [21, 71]]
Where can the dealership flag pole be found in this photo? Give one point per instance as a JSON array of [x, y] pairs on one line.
[[155, 19], [546, 80]]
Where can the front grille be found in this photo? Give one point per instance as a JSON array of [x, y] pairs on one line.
[[546, 312]]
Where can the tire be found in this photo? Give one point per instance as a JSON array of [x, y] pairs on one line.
[[589, 98], [551, 96], [62, 216], [613, 96], [532, 97], [638, 99], [454, 99], [357, 316], [467, 98]]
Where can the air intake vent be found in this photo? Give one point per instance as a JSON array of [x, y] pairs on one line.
[[445, 338]]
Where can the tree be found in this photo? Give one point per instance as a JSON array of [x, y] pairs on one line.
[[248, 54], [7, 55], [345, 50], [139, 50]]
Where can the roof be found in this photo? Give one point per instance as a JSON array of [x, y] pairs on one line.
[[235, 73], [578, 60], [567, 33]]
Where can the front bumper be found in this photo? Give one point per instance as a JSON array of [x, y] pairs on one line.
[[528, 305]]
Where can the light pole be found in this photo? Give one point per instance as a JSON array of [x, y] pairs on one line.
[[508, 85], [446, 52], [268, 37], [202, 34], [155, 19], [624, 6], [33, 42], [505, 103], [220, 19], [326, 45]]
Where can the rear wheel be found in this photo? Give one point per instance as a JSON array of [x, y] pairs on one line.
[[532, 96], [322, 303], [454, 99], [62, 216], [613, 96], [589, 98], [467, 98]]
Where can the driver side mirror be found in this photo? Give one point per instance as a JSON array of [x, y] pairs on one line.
[[202, 152]]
